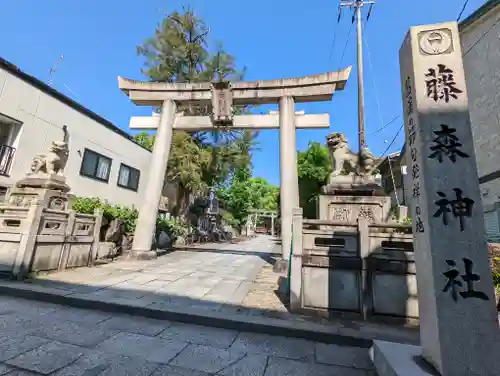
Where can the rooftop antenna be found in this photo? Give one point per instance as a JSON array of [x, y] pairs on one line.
[[54, 68]]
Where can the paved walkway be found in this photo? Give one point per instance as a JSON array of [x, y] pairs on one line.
[[45, 339], [231, 287], [205, 278]]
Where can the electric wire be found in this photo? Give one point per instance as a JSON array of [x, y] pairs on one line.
[[463, 10]]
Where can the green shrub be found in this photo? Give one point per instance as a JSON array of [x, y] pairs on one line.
[[88, 205], [173, 227]]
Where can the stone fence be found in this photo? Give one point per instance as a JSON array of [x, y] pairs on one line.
[[362, 269], [35, 238]]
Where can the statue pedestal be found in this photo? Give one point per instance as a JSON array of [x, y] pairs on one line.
[[48, 190], [346, 198]]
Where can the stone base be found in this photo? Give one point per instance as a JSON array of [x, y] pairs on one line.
[[353, 185], [141, 255], [280, 266], [349, 208], [395, 359], [45, 181]]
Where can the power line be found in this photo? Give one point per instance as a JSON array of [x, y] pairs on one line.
[[462, 11], [386, 125], [481, 37], [393, 139], [345, 47], [374, 83], [332, 48]]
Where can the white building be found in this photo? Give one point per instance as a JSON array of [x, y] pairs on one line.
[[103, 162]]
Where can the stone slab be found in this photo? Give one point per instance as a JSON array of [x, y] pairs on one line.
[[95, 363], [16, 372], [249, 365], [345, 356], [329, 333], [73, 333], [206, 358], [75, 315], [12, 346], [47, 358], [165, 370], [137, 325], [153, 349], [394, 359], [289, 367], [200, 335], [256, 343]]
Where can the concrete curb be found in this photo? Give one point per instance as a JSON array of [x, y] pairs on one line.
[[310, 331]]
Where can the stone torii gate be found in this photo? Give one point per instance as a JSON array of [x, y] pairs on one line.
[[255, 214], [173, 97]]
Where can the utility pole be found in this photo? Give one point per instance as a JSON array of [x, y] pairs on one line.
[[356, 6]]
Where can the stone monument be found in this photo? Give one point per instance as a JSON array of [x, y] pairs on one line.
[[45, 183], [459, 330], [352, 190]]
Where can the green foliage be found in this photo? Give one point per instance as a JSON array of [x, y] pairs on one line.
[[179, 52], [145, 139], [405, 221], [314, 167], [173, 227], [88, 205], [246, 193]]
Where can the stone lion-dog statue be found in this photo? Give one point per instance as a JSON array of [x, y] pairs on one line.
[[341, 154], [52, 162]]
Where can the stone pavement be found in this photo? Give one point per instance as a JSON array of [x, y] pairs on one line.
[[230, 286], [205, 277], [45, 339]]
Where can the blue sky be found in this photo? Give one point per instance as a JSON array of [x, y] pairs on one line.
[[272, 38]]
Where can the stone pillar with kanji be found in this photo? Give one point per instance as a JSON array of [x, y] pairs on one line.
[[458, 317]]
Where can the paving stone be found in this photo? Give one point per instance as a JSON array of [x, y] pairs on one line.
[[154, 349], [256, 343], [17, 372], [200, 335], [288, 367], [83, 316], [165, 370], [13, 324], [138, 325], [47, 358], [12, 346], [206, 358], [98, 363], [343, 356], [4, 368], [11, 305], [249, 365], [74, 333], [112, 292], [241, 291]]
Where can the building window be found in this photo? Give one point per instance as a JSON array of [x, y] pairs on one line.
[[95, 165], [128, 177]]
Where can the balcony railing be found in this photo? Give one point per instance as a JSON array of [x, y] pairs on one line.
[[6, 157]]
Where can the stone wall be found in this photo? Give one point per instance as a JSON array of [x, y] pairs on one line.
[[364, 269], [34, 238]]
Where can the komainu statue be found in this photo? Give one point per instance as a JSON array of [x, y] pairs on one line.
[[361, 164], [52, 162]]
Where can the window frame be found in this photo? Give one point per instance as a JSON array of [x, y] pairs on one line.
[[99, 157], [129, 187]]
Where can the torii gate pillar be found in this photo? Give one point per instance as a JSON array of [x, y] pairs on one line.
[[222, 96]]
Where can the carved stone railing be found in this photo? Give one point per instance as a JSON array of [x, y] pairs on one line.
[[34, 238], [360, 268]]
